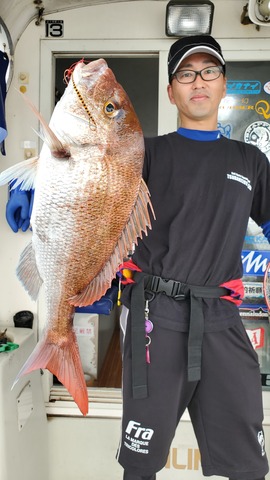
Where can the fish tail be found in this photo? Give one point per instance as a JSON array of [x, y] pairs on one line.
[[62, 359]]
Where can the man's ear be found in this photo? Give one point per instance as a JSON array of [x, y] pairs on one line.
[[225, 87], [170, 94]]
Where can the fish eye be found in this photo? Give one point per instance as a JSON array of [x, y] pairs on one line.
[[110, 109]]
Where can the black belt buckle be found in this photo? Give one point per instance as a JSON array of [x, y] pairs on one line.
[[167, 287]]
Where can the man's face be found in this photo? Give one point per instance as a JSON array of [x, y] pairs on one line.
[[198, 102]]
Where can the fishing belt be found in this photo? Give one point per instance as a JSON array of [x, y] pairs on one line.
[[179, 291]]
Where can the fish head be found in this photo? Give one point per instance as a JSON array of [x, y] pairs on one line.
[[104, 109]]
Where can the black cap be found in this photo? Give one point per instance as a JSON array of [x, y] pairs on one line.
[[186, 46]]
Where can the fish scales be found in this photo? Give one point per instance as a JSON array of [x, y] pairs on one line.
[[90, 207]]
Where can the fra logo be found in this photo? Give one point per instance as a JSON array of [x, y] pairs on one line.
[[260, 437], [135, 429]]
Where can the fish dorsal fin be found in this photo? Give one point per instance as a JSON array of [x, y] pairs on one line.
[[138, 223], [24, 173], [28, 273], [56, 147]]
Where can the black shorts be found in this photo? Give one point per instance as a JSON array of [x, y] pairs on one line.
[[225, 406]]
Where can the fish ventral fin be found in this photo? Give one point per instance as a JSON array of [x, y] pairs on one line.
[[62, 359], [138, 224], [27, 272]]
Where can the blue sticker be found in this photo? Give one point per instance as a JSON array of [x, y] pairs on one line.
[[225, 130], [255, 262], [258, 239], [246, 87]]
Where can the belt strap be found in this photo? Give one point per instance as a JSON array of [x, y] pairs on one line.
[[196, 327], [178, 291], [139, 370]]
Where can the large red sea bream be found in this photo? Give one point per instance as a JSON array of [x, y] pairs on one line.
[[90, 206]]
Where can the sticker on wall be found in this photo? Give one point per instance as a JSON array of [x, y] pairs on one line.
[[256, 336], [266, 87], [253, 313], [240, 87], [256, 241], [262, 107], [254, 290], [258, 134], [225, 130], [54, 28], [255, 262]]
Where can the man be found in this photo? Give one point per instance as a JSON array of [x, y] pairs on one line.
[[192, 351], [195, 354]]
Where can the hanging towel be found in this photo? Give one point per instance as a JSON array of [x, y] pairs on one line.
[[4, 62]]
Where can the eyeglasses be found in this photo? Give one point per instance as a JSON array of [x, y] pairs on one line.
[[208, 74]]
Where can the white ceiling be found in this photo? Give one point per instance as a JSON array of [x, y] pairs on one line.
[[17, 14]]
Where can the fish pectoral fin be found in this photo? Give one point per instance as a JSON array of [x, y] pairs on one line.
[[28, 273], [99, 284], [62, 359], [58, 150], [24, 172]]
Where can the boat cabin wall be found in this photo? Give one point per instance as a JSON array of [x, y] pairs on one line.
[[124, 27]]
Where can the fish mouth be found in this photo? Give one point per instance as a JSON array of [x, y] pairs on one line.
[[94, 69]]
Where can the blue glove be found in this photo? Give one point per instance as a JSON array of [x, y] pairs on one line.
[[18, 209]]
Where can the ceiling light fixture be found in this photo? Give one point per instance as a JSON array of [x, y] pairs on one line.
[[189, 18]]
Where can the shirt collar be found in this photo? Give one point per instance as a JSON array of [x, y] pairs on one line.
[[201, 135]]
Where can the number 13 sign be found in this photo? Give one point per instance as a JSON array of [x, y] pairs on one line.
[[54, 28]]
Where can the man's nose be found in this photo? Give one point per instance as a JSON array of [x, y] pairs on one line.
[[198, 80]]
